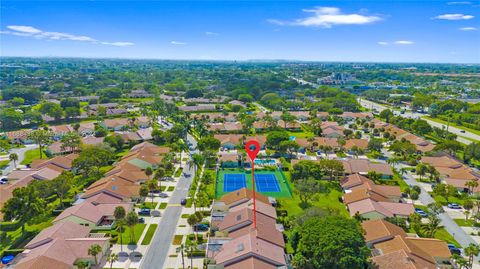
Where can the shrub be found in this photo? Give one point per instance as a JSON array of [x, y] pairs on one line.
[[9, 226]]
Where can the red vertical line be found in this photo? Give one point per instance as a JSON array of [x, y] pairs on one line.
[[254, 197]]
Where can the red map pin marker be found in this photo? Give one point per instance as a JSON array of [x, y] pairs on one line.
[[252, 147]]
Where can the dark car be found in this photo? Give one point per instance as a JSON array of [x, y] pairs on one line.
[[462, 131], [144, 212], [454, 250], [199, 227], [162, 195], [183, 201], [420, 212], [141, 220]]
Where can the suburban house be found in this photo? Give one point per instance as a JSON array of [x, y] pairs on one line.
[[421, 144], [453, 172], [393, 248], [197, 108], [86, 128], [349, 116], [142, 122], [370, 209], [139, 94], [230, 141], [19, 137], [56, 147], [58, 163], [225, 127], [228, 159], [60, 246], [301, 115], [367, 189], [58, 131], [331, 129], [115, 124], [363, 166], [236, 243], [92, 214]]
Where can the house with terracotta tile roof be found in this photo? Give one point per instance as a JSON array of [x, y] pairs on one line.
[[358, 187], [453, 172], [225, 127], [230, 141], [363, 166], [196, 108], [392, 248], [92, 215], [242, 195], [19, 137], [56, 147], [250, 251], [115, 124], [60, 246], [86, 128], [59, 163], [370, 209]]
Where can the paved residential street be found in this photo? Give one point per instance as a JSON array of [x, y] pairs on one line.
[[452, 228], [162, 240], [408, 114], [21, 155]]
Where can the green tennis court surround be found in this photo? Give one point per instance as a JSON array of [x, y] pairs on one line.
[[269, 183]]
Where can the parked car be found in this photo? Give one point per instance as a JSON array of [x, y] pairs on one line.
[[186, 174], [4, 179], [454, 206], [162, 195], [420, 212], [144, 212], [462, 131], [141, 220], [454, 250], [183, 201], [199, 227]]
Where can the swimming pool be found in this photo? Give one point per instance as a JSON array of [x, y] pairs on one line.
[[292, 138], [265, 162]]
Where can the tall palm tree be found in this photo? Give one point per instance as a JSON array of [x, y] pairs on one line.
[[432, 226], [94, 250], [111, 258], [132, 220], [191, 248], [471, 185], [471, 251], [13, 158], [119, 215]]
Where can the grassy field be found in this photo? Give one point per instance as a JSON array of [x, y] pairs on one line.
[[31, 155], [148, 236], [442, 234], [163, 206], [4, 163], [463, 222], [284, 188], [177, 240]]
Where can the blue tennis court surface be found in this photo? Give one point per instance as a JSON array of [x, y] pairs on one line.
[[233, 182], [266, 183]]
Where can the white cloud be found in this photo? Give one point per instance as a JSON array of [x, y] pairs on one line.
[[459, 3], [383, 43], [454, 17], [468, 29], [211, 34], [404, 42], [326, 17], [178, 43], [29, 31]]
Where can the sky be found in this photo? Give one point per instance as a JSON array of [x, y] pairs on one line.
[[363, 31]]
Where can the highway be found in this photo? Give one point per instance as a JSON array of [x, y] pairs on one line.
[[414, 115]]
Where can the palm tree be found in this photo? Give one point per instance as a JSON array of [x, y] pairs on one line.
[[40, 137], [111, 258], [119, 215], [471, 251], [94, 250], [152, 186], [13, 158], [421, 170], [131, 221], [471, 185], [433, 225], [81, 264], [191, 248], [182, 248]]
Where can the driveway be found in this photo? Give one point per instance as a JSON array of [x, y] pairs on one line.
[[157, 253], [451, 226], [21, 155]]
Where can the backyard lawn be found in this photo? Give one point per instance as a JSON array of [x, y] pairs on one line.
[[31, 155], [442, 234]]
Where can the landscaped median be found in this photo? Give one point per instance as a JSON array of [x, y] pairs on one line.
[[150, 232]]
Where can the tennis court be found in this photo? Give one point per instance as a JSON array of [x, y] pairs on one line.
[[266, 183], [233, 182]]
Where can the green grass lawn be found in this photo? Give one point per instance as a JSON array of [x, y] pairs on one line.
[[282, 183], [442, 234], [148, 236], [138, 229], [31, 155], [171, 188], [301, 134], [149, 205], [463, 222], [162, 206], [477, 132], [4, 163], [178, 172]]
